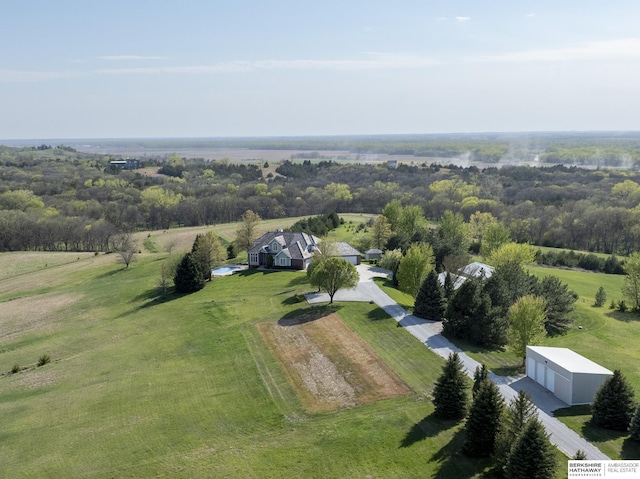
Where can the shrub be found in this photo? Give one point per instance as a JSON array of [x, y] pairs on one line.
[[15, 369], [44, 359], [601, 297]]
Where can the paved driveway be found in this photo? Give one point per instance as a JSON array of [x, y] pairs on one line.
[[429, 332]]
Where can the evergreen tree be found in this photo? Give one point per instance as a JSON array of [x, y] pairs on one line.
[[450, 392], [448, 286], [532, 455], [517, 415], [188, 277], [560, 301], [483, 422], [430, 299], [613, 406], [207, 251], [601, 297], [580, 455], [479, 375], [634, 425]]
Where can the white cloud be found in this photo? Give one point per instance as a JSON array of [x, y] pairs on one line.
[[463, 19], [441, 19], [601, 50], [129, 57], [530, 15]]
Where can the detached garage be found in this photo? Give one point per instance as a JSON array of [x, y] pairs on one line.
[[572, 378], [344, 250]]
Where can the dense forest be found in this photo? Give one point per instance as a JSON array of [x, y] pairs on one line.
[[55, 198]]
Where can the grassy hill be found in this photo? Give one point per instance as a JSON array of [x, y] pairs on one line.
[[184, 386]]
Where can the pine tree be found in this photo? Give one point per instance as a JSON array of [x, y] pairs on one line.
[[429, 302], [448, 288], [479, 375], [450, 392], [613, 406], [601, 297], [517, 415], [580, 455], [634, 425], [484, 420], [532, 455], [188, 277]]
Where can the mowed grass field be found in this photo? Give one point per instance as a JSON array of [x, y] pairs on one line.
[[185, 387]]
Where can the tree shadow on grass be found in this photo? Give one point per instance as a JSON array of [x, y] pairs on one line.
[[627, 317], [630, 449], [591, 431], [299, 280], [377, 314], [454, 464], [152, 297], [305, 315], [429, 426]]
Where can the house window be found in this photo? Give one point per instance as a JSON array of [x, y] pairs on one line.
[[253, 258], [274, 246], [283, 262]]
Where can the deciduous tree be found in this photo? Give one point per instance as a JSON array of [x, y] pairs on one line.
[[526, 323], [380, 231], [414, 267], [333, 274], [247, 230], [631, 288], [208, 252], [124, 245]]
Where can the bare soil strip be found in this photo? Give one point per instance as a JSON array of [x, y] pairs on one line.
[[328, 365]]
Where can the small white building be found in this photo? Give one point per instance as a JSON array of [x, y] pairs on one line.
[[569, 376]]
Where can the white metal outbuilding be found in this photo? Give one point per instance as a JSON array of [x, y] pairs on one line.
[[569, 376]]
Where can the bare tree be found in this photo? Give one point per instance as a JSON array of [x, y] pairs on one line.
[[124, 245]]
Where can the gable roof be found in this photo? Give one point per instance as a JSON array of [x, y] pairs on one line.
[[295, 245], [342, 248]]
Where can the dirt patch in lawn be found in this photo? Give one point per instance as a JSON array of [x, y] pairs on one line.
[[328, 365]]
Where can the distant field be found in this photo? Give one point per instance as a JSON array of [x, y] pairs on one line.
[[15, 264], [181, 239]]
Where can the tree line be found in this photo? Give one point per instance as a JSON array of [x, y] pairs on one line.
[[56, 199]]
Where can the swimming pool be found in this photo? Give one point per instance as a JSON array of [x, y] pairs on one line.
[[226, 270]]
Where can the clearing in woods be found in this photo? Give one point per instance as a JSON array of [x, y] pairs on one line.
[[328, 365]]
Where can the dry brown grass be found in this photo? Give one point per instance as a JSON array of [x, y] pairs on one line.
[[39, 313], [49, 277], [15, 264], [328, 365]]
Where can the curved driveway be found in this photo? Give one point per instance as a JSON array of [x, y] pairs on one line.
[[429, 332]]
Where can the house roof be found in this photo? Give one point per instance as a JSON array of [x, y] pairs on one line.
[[569, 360], [342, 248], [373, 251], [476, 269], [295, 245]]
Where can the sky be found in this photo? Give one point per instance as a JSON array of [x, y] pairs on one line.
[[154, 69]]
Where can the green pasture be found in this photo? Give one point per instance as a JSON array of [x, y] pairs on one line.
[[182, 386]]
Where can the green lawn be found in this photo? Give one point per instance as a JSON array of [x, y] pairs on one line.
[[142, 386]]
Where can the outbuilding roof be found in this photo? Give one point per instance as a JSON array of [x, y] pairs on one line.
[[570, 360], [342, 248]]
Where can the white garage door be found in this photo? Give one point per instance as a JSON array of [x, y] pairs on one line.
[[531, 368], [351, 259], [551, 379]]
